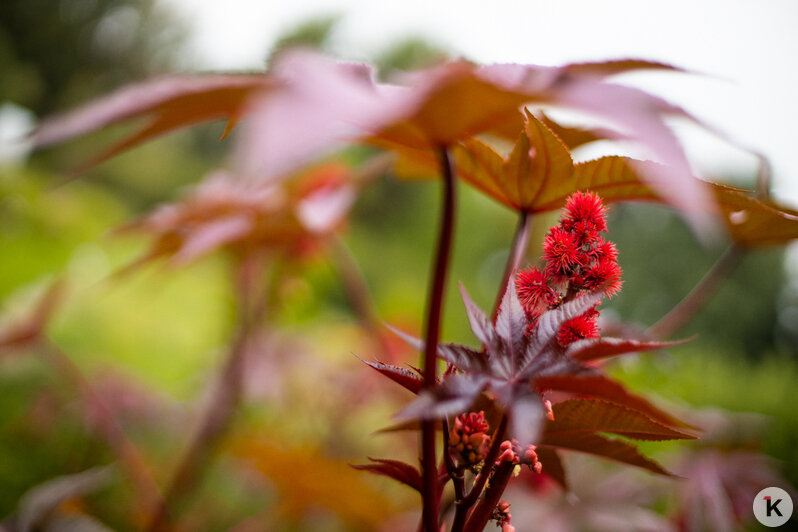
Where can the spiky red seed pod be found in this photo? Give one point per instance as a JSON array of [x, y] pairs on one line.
[[606, 274], [603, 250], [534, 291], [587, 208], [578, 328], [585, 233], [562, 253]]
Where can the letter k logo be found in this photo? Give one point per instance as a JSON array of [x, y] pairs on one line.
[[772, 506]]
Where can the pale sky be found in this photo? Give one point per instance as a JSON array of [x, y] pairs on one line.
[[747, 49]]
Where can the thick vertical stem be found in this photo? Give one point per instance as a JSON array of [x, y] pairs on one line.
[[429, 469], [517, 251]]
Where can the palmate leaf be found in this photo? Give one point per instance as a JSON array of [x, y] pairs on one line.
[[460, 99], [590, 415], [308, 104], [399, 471], [538, 160], [515, 360]]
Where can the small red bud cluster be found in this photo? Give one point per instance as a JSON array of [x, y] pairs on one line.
[[578, 260], [511, 451], [501, 514], [469, 439]]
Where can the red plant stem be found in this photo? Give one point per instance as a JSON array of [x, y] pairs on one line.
[[455, 474], [517, 251], [429, 470], [699, 295], [463, 505], [131, 460], [481, 514]]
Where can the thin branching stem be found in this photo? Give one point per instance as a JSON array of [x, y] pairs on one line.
[[221, 409], [454, 473], [130, 459], [684, 311], [429, 469], [356, 291], [463, 505], [517, 252], [498, 482]]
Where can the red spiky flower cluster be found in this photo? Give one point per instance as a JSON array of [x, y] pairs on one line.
[[577, 260]]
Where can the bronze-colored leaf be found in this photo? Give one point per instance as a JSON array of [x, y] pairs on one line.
[[399, 471], [599, 348], [168, 103], [552, 465], [617, 66], [603, 387], [590, 415], [752, 222], [538, 162], [612, 449], [402, 376]]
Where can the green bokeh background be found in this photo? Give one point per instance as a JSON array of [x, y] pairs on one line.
[[165, 329]]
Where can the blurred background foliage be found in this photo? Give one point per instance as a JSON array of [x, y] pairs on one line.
[[152, 339]]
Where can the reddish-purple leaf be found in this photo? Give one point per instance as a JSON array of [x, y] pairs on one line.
[[399, 471], [452, 396], [603, 387], [321, 104], [404, 377], [617, 66], [612, 449], [588, 415], [481, 325], [552, 465], [599, 348], [168, 103]]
